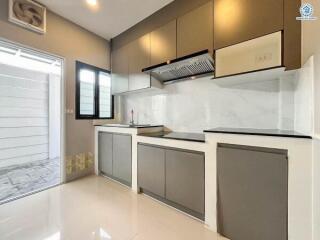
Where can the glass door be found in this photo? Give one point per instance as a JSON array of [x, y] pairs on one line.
[[30, 121]]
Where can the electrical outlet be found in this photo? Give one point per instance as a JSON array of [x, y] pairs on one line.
[[69, 111]]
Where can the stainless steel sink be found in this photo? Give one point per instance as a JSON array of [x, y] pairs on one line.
[[123, 125]]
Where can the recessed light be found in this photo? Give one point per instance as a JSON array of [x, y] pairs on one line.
[[92, 2]]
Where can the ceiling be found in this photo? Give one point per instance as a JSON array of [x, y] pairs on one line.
[[109, 18]]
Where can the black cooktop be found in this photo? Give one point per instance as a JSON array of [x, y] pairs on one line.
[[193, 137], [261, 132]]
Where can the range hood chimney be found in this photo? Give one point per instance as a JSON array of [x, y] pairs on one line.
[[193, 66]]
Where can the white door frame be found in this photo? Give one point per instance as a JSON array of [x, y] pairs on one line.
[[62, 102]]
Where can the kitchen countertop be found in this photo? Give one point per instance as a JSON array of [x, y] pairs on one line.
[[193, 137], [260, 132], [128, 126]]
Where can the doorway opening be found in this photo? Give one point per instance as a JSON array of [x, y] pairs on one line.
[[31, 125]]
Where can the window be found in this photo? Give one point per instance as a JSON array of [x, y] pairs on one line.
[[93, 92]]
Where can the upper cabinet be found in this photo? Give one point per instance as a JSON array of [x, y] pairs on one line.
[[242, 35], [242, 20], [257, 54], [139, 58], [292, 35], [127, 64], [195, 31], [120, 70], [164, 43]]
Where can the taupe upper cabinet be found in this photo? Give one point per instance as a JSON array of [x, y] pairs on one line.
[[249, 56], [163, 43], [242, 20], [120, 70], [139, 58], [195, 31], [292, 35]]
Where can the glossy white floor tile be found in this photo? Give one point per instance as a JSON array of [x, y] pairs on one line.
[[96, 208]]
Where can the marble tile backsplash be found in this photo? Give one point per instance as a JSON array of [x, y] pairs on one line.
[[202, 104]]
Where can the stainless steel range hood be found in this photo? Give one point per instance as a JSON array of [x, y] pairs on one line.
[[189, 67]]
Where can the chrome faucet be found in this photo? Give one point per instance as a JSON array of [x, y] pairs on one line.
[[132, 121]]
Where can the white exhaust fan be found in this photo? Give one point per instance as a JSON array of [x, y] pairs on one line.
[[28, 14]]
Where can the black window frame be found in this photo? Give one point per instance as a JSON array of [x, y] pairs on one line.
[[97, 70]]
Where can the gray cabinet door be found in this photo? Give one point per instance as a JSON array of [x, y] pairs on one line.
[[105, 153], [164, 43], [252, 192], [120, 70], [185, 179], [195, 31], [151, 172], [122, 167], [139, 58]]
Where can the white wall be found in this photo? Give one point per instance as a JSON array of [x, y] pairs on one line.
[[286, 102], [303, 99], [202, 104], [194, 106], [311, 47], [316, 189]]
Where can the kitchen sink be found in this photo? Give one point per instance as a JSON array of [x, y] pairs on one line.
[[126, 125]]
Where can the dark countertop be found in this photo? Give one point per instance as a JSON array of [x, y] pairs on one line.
[[128, 126], [260, 132], [193, 137]]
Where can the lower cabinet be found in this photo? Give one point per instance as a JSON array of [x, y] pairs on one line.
[[115, 156], [173, 176], [151, 169], [252, 192], [185, 180], [122, 167], [105, 152]]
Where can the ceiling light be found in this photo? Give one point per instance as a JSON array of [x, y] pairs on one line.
[[92, 2]]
